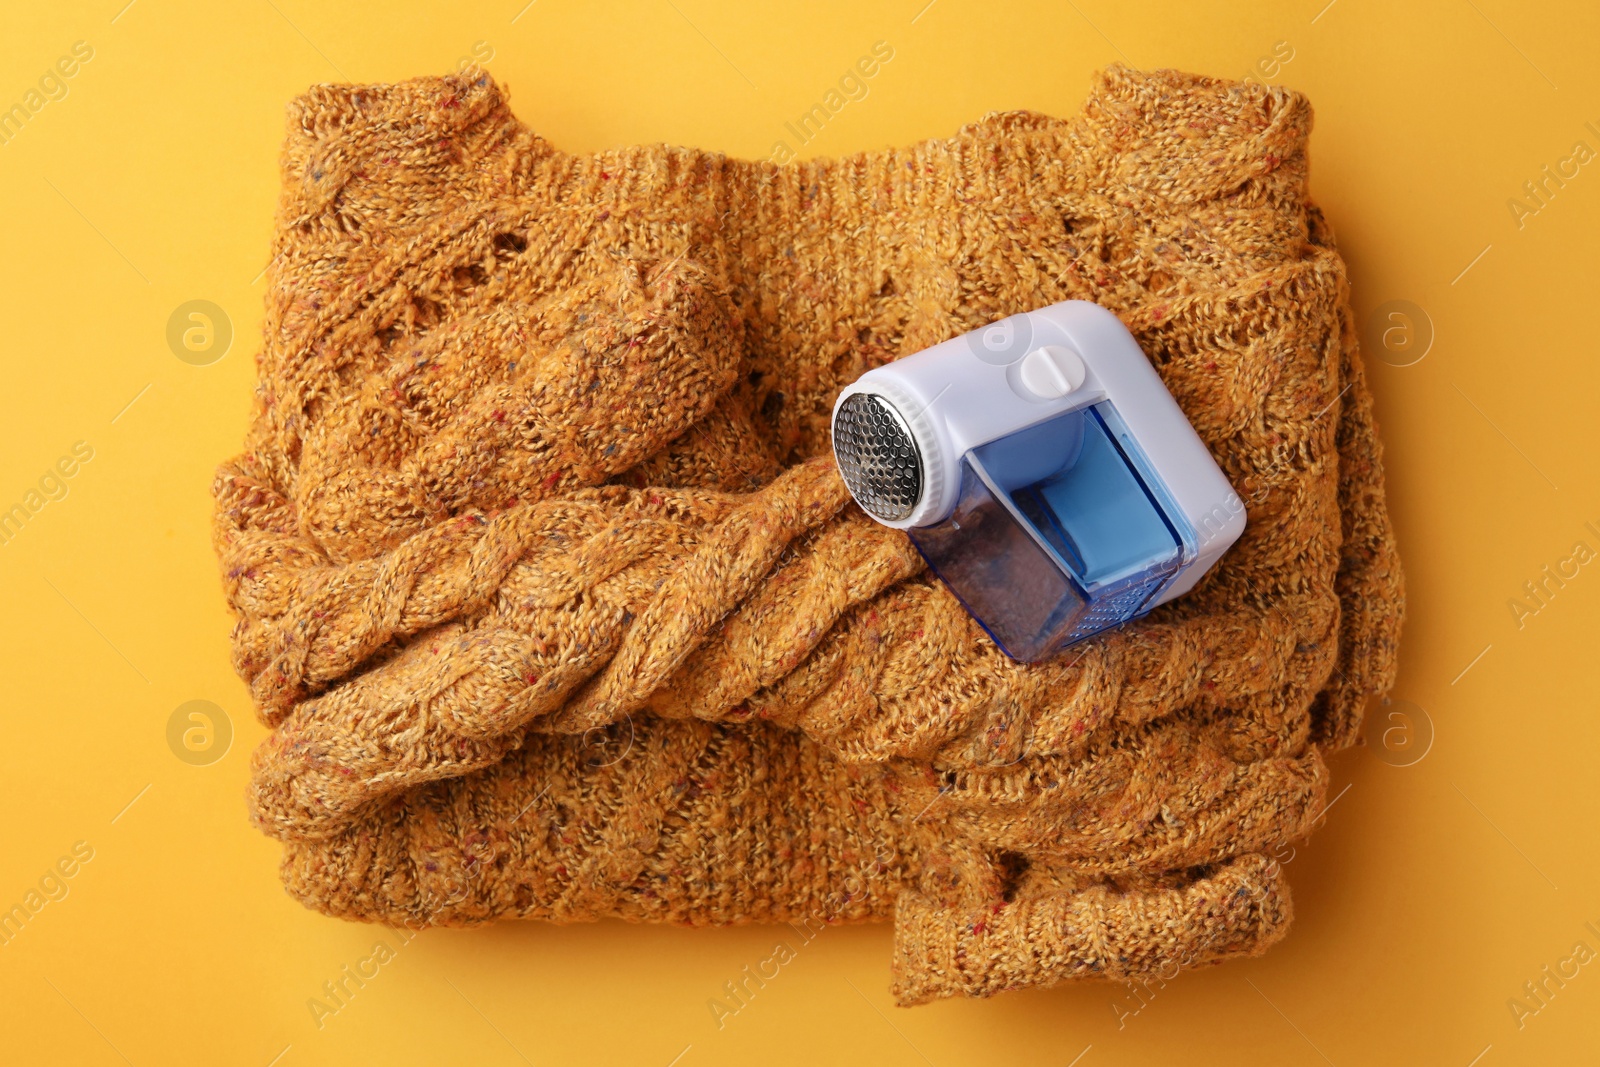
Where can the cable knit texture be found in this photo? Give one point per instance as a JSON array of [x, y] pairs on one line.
[[556, 606]]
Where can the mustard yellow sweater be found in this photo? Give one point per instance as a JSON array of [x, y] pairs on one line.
[[556, 607]]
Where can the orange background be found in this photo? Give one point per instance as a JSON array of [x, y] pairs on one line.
[[1458, 863]]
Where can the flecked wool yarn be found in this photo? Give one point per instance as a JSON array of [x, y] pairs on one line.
[[556, 606]]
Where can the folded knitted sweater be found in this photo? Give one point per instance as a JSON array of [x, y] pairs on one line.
[[556, 607]]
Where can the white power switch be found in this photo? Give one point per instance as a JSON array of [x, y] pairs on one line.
[[1052, 371]]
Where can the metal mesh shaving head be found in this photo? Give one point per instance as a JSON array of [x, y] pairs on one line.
[[877, 456]]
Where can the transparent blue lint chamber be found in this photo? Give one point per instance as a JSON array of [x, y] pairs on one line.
[[1058, 532]]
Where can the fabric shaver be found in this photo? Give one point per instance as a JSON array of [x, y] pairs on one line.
[[1043, 471]]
